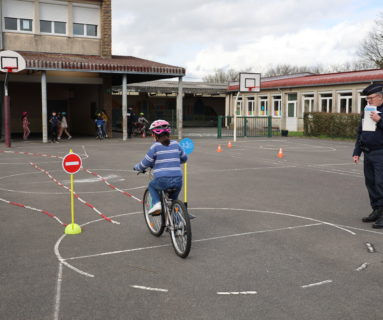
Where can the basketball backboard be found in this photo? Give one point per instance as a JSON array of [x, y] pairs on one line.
[[249, 82], [11, 61]]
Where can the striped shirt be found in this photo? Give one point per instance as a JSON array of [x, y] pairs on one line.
[[165, 160]]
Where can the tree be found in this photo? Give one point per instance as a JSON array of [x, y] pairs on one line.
[[222, 76], [371, 49], [286, 69]]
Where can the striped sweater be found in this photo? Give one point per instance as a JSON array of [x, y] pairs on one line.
[[165, 160]]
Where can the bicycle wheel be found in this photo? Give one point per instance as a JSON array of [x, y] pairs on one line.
[[156, 224], [181, 233]]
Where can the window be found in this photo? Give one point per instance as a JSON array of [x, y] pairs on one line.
[[250, 106], [59, 27], [56, 27], [18, 24], [239, 107], [45, 26], [326, 102], [308, 103], [10, 23], [362, 102], [91, 30], [263, 106], [26, 24], [345, 102], [277, 103], [80, 29]]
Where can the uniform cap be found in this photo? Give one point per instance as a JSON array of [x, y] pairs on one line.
[[373, 88]]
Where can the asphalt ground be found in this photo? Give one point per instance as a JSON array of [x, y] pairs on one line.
[[273, 239]]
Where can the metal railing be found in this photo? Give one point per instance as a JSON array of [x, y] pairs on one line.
[[247, 126]]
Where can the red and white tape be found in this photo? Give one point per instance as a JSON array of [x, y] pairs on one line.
[[112, 186], [74, 193], [51, 215], [31, 154]]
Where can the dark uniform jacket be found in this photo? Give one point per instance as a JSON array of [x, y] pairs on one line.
[[369, 140]]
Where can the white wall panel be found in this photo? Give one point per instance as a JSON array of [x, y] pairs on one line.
[[18, 9], [86, 15], [53, 12]]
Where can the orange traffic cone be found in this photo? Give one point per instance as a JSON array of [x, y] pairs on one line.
[[143, 134], [280, 153], [229, 145], [219, 149]]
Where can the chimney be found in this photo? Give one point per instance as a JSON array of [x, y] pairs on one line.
[[106, 28]]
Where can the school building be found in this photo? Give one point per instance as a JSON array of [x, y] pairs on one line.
[[287, 98], [69, 63]]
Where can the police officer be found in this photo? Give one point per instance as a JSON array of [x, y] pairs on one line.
[[371, 144]]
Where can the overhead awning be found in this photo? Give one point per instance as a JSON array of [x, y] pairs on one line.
[[90, 63]]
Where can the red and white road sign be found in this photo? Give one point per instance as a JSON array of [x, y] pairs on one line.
[[72, 163]]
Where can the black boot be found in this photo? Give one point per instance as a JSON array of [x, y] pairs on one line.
[[378, 224], [374, 215]]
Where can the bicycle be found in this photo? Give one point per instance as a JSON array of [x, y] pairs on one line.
[[100, 133], [174, 219]]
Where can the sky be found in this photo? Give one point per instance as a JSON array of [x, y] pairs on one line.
[[205, 35]]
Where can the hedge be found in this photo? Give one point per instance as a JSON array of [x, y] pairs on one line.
[[335, 125]]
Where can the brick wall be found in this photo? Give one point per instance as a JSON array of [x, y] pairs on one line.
[[106, 28]]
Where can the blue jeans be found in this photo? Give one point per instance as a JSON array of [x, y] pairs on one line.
[[157, 184]]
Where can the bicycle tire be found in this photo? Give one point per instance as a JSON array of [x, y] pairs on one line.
[[181, 235], [155, 224]]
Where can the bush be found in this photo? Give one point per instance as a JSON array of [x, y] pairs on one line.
[[334, 125]]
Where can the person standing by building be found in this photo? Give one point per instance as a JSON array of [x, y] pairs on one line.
[[131, 121], [106, 119], [54, 126], [64, 126], [25, 123], [371, 144]]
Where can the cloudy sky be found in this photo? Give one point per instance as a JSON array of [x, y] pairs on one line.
[[205, 35]]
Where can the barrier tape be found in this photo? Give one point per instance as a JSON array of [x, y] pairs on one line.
[[31, 154], [112, 186], [74, 193], [51, 215]]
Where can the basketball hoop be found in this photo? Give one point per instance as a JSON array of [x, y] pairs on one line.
[[251, 88]]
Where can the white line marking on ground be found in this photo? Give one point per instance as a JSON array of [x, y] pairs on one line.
[[281, 214], [316, 284], [200, 240], [370, 247], [150, 289], [237, 292], [58, 292], [362, 267]]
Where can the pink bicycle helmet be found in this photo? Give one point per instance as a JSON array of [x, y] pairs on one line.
[[160, 126]]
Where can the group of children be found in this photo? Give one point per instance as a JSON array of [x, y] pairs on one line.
[[58, 124]]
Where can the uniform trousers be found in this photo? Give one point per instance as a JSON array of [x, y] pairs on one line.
[[373, 174]]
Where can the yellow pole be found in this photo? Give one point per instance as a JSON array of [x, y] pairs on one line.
[[72, 199], [186, 184], [72, 228]]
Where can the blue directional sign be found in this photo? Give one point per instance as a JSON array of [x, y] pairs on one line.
[[187, 145]]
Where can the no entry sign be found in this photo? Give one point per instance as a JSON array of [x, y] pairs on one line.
[[72, 163]]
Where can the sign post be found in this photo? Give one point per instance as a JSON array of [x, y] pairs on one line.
[[188, 146], [72, 164]]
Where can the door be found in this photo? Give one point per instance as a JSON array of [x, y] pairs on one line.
[[292, 120]]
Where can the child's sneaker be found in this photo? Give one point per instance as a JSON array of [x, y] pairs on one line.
[[156, 209]]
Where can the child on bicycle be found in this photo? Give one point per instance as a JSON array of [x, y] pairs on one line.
[[165, 157]]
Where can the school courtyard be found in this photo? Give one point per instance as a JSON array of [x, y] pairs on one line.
[[274, 238]]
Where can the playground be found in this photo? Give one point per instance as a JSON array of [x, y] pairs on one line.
[[278, 234]]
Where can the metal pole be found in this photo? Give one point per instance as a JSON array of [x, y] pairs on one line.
[[124, 108], [179, 108], [44, 106], [235, 117], [7, 111]]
